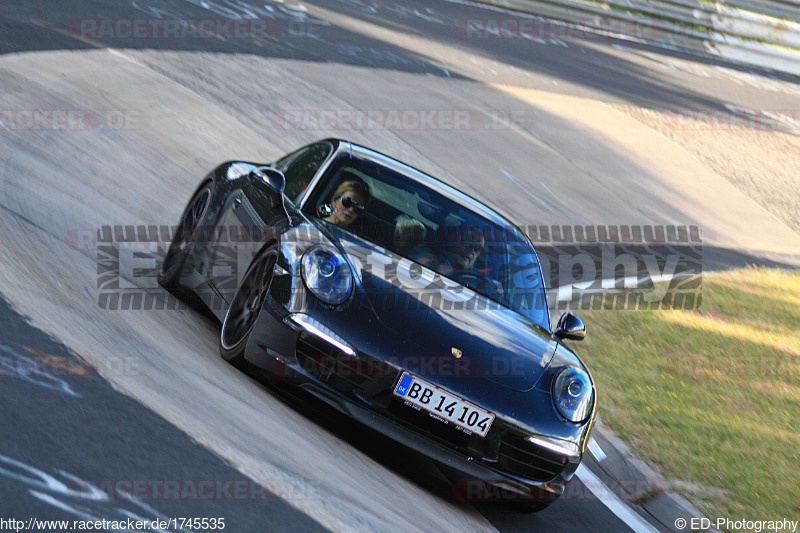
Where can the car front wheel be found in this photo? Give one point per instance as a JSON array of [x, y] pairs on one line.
[[245, 307]]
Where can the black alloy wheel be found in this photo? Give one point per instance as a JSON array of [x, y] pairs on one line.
[[245, 307]]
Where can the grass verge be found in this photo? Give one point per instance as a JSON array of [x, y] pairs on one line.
[[711, 397]]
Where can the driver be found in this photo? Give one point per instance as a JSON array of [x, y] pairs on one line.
[[349, 201], [457, 258], [460, 252]]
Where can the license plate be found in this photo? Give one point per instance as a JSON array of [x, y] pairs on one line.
[[444, 406]]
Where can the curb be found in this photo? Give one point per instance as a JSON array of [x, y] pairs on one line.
[[638, 484]]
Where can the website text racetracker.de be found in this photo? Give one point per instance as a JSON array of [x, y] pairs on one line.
[[128, 524]]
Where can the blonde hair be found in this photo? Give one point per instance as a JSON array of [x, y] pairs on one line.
[[355, 184], [408, 232]]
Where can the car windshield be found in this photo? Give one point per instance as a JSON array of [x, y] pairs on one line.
[[446, 236]]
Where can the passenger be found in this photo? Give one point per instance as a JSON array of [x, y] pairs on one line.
[[408, 233], [349, 201]]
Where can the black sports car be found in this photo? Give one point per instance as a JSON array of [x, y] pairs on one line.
[[397, 299]]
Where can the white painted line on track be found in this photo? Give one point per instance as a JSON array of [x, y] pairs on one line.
[[613, 502], [596, 450], [529, 193], [570, 211], [15, 134], [547, 203]]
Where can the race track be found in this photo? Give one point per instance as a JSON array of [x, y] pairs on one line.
[[532, 127]]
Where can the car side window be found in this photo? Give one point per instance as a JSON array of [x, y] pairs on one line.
[[299, 170]]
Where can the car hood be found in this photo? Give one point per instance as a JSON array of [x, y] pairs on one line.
[[446, 332]]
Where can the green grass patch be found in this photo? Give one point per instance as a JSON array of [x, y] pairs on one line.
[[711, 397]]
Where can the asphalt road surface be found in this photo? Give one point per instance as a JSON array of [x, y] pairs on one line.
[[103, 126], [74, 449]]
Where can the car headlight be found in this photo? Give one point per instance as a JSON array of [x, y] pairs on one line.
[[563, 447], [327, 275], [573, 394]]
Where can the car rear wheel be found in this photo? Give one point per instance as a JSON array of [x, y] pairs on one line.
[[182, 240], [245, 307]]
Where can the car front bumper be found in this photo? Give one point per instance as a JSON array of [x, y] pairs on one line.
[[277, 345]]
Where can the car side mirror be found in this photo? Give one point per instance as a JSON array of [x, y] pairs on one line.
[[570, 327], [275, 183], [272, 177]]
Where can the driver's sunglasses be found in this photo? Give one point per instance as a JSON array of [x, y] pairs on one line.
[[348, 202]]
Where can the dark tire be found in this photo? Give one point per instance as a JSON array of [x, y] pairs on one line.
[[178, 251], [245, 308]]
